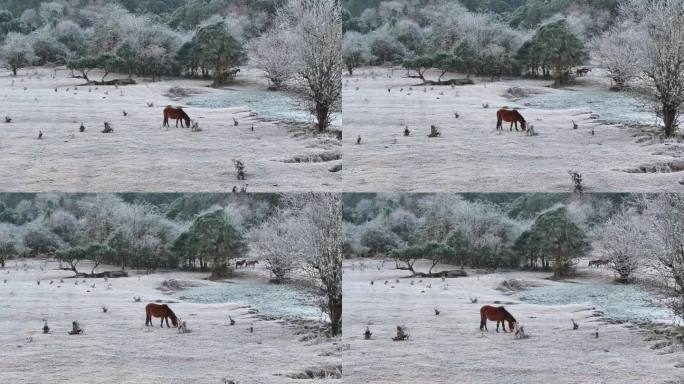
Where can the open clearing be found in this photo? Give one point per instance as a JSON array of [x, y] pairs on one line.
[[140, 155], [117, 347], [450, 348], [472, 156]]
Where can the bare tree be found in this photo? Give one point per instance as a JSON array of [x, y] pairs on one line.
[[615, 50], [661, 47], [665, 220], [316, 27], [271, 243], [319, 238], [620, 242], [273, 52]]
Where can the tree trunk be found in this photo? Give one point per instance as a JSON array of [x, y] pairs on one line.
[[335, 309], [669, 119], [14, 71], [350, 69], [322, 114]]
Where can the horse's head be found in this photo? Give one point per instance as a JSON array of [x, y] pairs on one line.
[[523, 125], [511, 324], [508, 317], [186, 118], [174, 318]]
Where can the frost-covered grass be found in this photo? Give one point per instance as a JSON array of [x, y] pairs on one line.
[[117, 347], [470, 155], [140, 155], [450, 347]]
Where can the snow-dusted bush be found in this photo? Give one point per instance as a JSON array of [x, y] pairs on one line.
[[356, 51], [17, 52]]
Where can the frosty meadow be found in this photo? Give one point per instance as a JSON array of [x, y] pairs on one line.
[[85, 85], [174, 206], [585, 289], [599, 85], [102, 288]]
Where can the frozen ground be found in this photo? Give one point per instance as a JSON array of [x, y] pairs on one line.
[[141, 155], [472, 156], [450, 348], [117, 347]]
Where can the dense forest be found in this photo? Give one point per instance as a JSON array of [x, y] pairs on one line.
[[482, 38], [638, 236]]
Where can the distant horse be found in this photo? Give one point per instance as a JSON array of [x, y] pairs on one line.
[[509, 116], [160, 310], [178, 114], [252, 263], [598, 263], [240, 264], [581, 72], [498, 314]]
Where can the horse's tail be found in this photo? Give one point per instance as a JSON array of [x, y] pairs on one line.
[[499, 120], [148, 315], [483, 317], [166, 117]]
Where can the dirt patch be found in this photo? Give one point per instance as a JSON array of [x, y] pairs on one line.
[[666, 167], [332, 372], [320, 157]]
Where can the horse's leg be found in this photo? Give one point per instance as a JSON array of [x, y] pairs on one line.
[[497, 326], [162, 322], [516, 125]]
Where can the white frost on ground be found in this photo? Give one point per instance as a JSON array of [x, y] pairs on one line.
[[117, 347], [471, 155], [450, 348], [140, 155]]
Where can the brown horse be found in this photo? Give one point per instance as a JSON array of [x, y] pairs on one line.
[[162, 311], [176, 113], [512, 117], [498, 314]]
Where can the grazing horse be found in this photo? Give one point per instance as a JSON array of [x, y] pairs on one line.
[[240, 264], [509, 116], [176, 113], [160, 310], [598, 263], [252, 263], [498, 314]]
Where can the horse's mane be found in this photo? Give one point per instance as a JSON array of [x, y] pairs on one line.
[[508, 314], [519, 115], [172, 315]]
